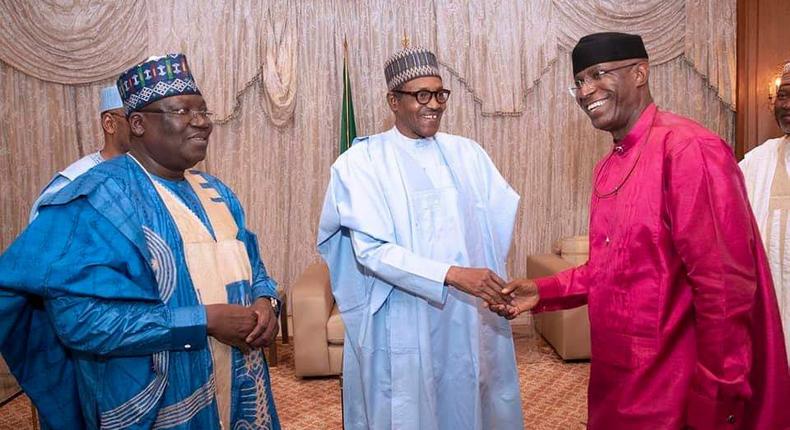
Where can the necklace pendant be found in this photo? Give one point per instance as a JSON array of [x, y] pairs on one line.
[[607, 241]]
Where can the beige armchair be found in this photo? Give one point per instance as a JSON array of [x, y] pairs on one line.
[[318, 329], [568, 331]]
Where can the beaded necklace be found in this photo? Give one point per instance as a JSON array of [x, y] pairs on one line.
[[616, 150]]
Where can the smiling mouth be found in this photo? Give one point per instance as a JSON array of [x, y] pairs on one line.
[[595, 105], [430, 116]]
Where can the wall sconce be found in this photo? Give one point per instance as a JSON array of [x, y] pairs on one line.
[[773, 86], [775, 82]]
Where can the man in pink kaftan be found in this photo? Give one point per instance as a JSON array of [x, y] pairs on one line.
[[685, 329]]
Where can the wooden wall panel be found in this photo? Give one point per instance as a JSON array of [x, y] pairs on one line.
[[763, 44]]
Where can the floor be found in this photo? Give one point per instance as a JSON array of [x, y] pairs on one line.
[[553, 393]]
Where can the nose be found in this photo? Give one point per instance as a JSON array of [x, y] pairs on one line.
[[201, 121], [586, 89]]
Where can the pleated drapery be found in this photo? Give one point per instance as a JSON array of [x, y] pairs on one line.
[[272, 70]]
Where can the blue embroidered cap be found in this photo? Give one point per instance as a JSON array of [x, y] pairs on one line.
[[154, 79]]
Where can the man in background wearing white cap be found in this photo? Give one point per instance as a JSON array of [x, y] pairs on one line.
[[116, 142], [765, 169], [416, 228]]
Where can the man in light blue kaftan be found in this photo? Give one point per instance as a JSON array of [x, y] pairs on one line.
[[151, 280], [415, 229], [116, 142]]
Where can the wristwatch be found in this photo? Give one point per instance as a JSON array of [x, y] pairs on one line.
[[275, 305]]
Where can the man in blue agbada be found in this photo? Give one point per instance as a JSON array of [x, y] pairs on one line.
[[151, 290], [116, 142], [415, 229]]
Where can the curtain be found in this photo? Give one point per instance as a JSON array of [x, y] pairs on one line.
[[272, 70]]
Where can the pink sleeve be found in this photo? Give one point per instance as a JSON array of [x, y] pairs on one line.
[[713, 233], [567, 289]]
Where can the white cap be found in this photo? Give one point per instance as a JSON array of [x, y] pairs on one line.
[[110, 99]]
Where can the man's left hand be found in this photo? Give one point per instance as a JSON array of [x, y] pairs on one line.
[[267, 327]]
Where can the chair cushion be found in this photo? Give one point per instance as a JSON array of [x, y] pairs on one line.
[[335, 330]]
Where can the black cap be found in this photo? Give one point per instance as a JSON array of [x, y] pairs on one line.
[[604, 47]]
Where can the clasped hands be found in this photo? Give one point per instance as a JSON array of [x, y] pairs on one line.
[[243, 327], [506, 299]]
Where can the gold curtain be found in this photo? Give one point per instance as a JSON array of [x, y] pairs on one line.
[[273, 72]]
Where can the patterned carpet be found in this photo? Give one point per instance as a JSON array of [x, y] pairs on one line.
[[553, 393]]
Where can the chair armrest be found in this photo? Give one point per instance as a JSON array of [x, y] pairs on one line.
[[314, 289], [568, 331], [312, 302]]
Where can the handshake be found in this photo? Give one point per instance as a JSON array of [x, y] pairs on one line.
[[243, 327], [506, 299]]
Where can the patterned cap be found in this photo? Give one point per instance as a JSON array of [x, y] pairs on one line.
[[154, 79], [408, 64], [109, 99]]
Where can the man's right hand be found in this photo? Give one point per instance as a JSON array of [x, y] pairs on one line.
[[524, 296], [480, 282], [230, 324]]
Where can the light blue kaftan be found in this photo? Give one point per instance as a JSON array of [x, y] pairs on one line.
[[106, 260], [417, 354], [65, 177]]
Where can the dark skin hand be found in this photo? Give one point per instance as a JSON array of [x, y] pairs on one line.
[[479, 282], [267, 325], [231, 324], [524, 296]]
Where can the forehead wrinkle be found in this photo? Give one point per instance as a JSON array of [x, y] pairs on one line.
[[183, 102], [423, 86]]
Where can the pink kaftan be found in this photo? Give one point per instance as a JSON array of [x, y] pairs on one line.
[[685, 328]]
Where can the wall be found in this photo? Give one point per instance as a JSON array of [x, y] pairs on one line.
[[763, 45]]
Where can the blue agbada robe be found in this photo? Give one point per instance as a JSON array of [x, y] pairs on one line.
[[418, 355], [99, 320]]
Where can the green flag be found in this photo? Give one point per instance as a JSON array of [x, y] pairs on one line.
[[348, 126]]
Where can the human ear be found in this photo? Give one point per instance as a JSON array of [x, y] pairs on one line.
[[136, 124], [642, 73], [392, 102], [108, 123]]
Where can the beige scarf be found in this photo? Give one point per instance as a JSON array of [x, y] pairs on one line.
[[212, 265]]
